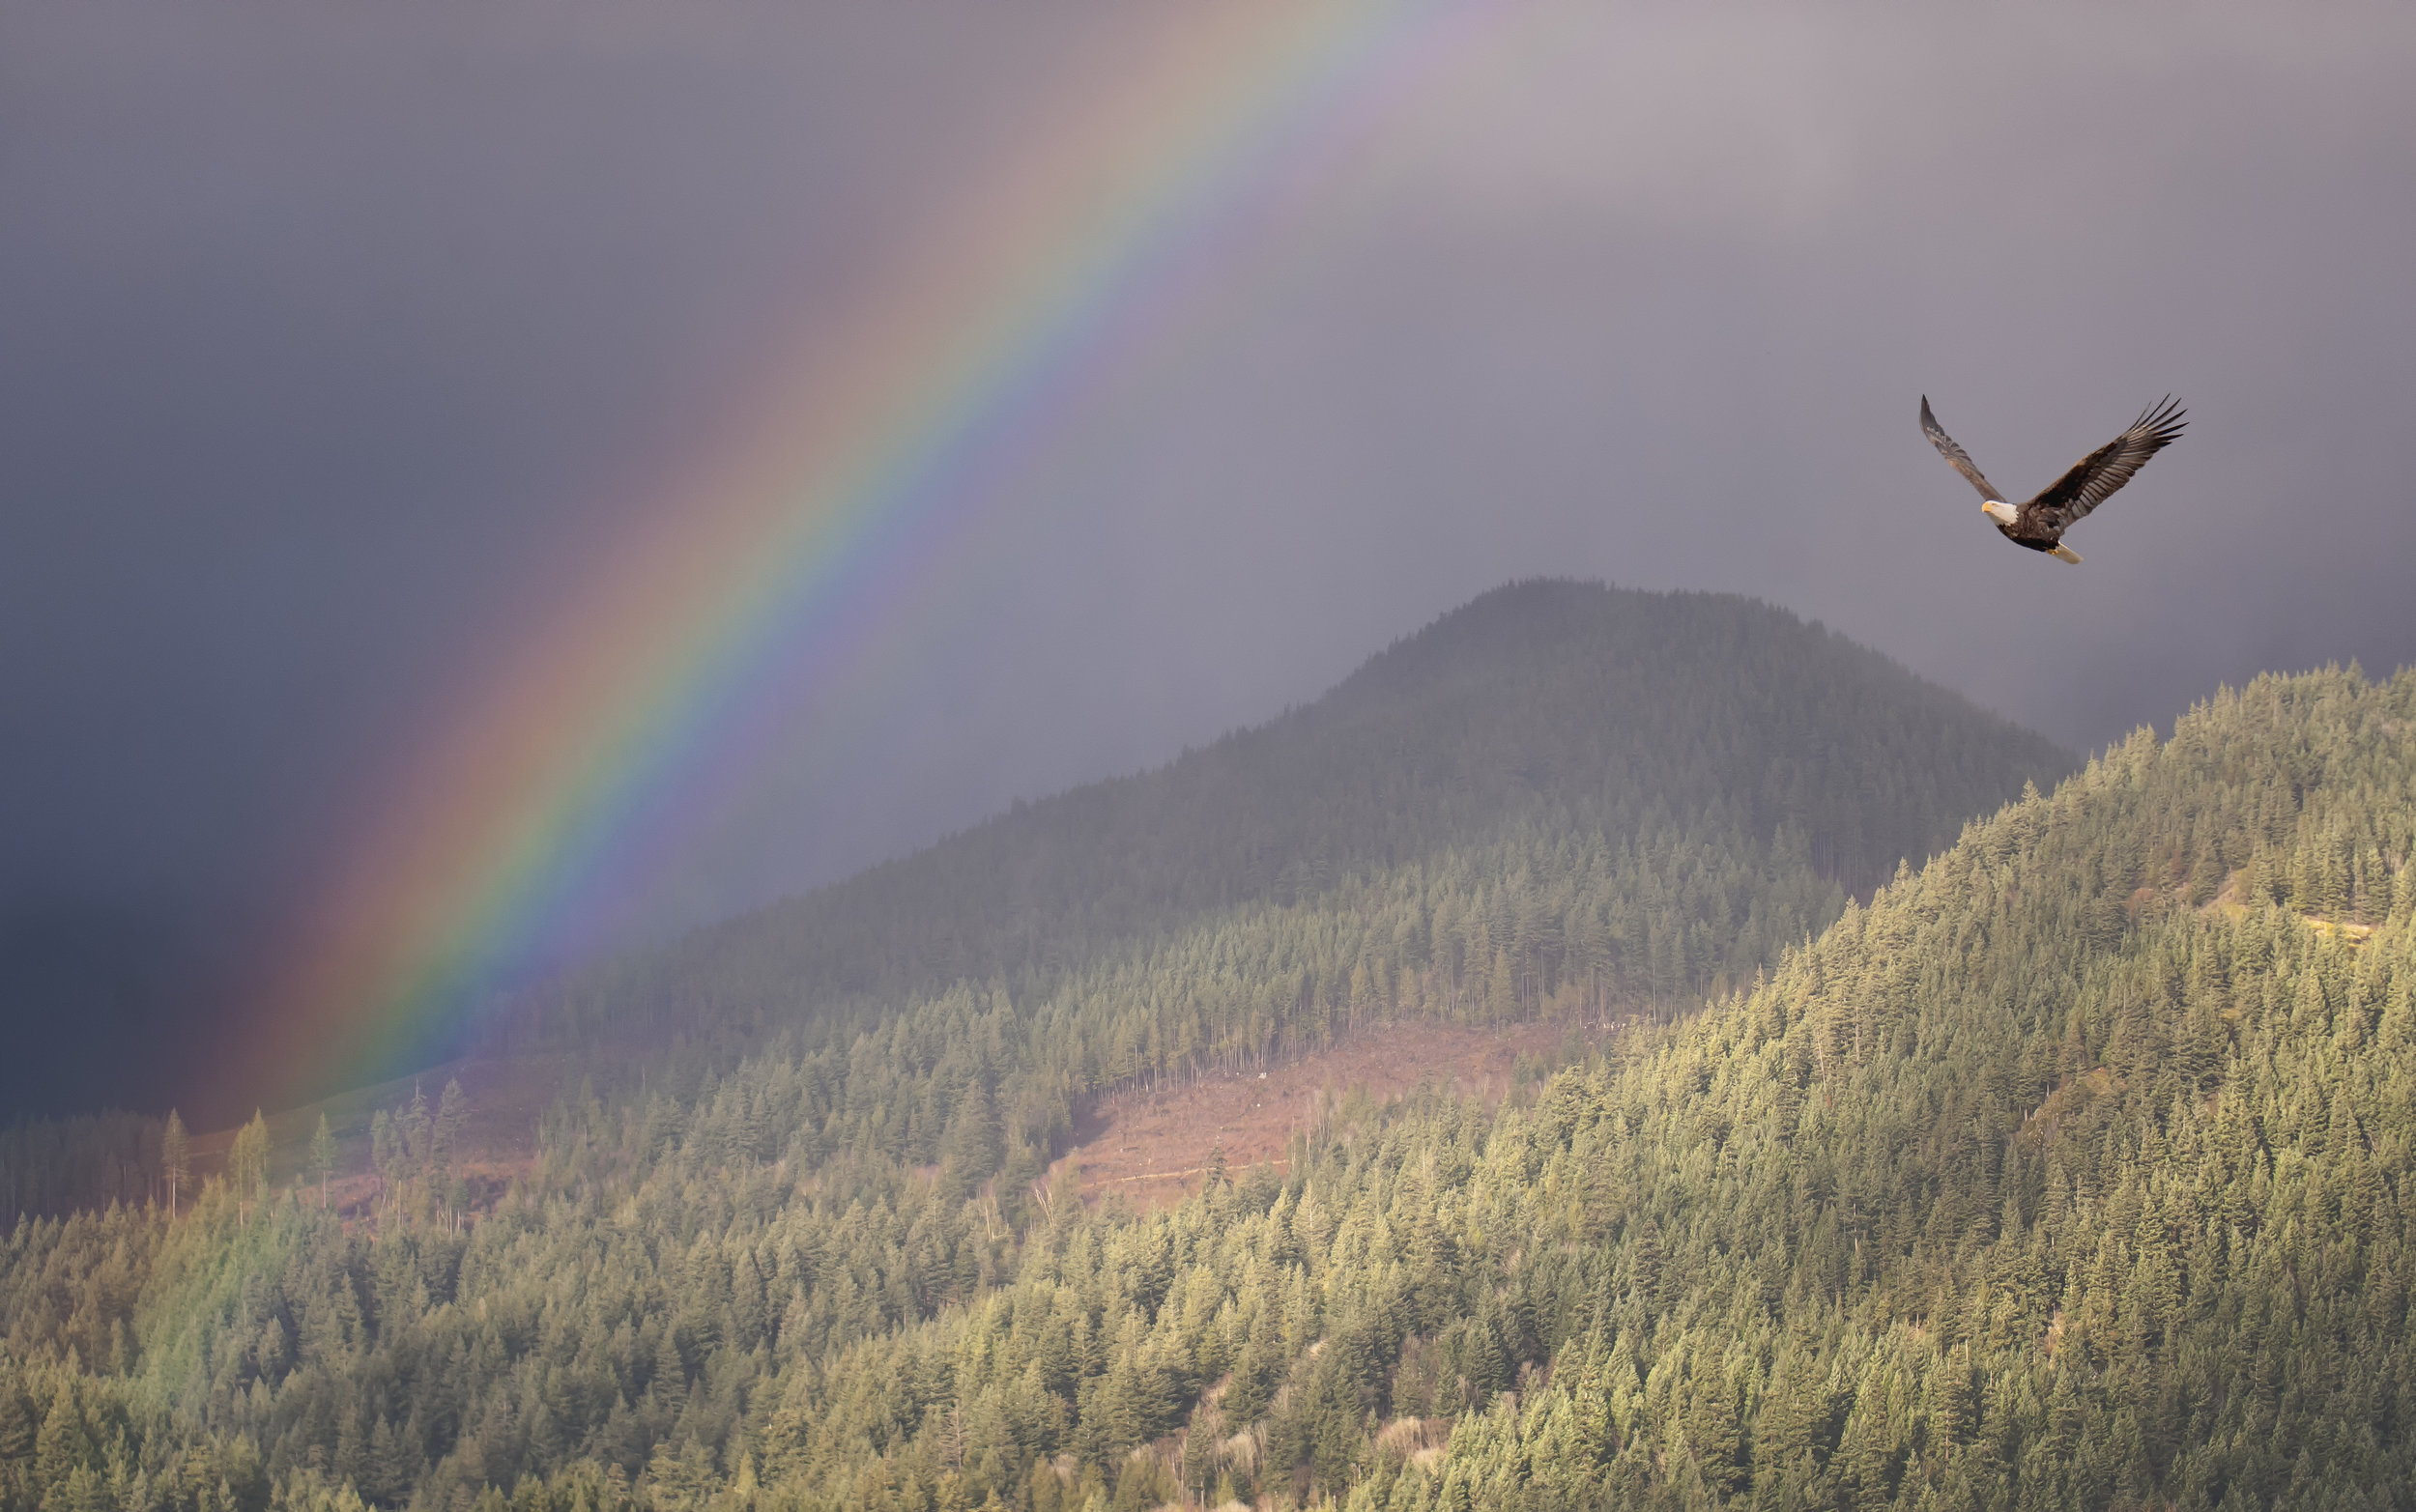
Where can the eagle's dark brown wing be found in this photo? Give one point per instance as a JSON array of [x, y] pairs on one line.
[[1956, 457], [2094, 479]]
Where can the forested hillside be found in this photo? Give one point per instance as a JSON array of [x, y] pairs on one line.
[[1695, 732], [1561, 799], [2071, 1171]]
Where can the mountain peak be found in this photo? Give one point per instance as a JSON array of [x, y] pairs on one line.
[[1591, 714]]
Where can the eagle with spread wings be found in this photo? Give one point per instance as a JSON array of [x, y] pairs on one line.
[[2040, 524]]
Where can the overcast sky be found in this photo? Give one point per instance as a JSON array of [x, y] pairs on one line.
[[329, 334]]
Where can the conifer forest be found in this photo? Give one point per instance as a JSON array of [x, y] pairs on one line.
[[1940, 1123]]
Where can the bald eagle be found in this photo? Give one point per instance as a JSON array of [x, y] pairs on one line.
[[2040, 524]]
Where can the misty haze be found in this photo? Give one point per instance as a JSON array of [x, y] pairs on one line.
[[1070, 757]]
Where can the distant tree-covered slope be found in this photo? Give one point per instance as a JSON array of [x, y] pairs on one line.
[[1557, 708], [2072, 1171], [1559, 800]]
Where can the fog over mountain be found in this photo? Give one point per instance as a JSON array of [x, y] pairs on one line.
[[330, 337]]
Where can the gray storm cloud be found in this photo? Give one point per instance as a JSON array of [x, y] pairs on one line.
[[328, 338]]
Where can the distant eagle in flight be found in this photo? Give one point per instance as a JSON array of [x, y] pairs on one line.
[[2040, 524]]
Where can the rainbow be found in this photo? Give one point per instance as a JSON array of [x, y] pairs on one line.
[[861, 457]]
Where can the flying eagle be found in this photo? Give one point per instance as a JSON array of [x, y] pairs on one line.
[[2040, 524]]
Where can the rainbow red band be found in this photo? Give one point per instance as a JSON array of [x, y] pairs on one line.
[[854, 467]]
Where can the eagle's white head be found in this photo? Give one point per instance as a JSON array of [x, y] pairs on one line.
[[1998, 510]]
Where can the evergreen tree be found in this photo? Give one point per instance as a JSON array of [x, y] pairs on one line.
[[247, 1161], [323, 1157], [176, 1159]]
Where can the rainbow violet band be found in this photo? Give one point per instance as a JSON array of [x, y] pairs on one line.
[[782, 544]]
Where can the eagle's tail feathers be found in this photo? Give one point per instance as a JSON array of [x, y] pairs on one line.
[[2063, 552]]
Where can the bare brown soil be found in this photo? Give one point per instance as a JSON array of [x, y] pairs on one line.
[[1152, 1145], [1155, 1146]]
